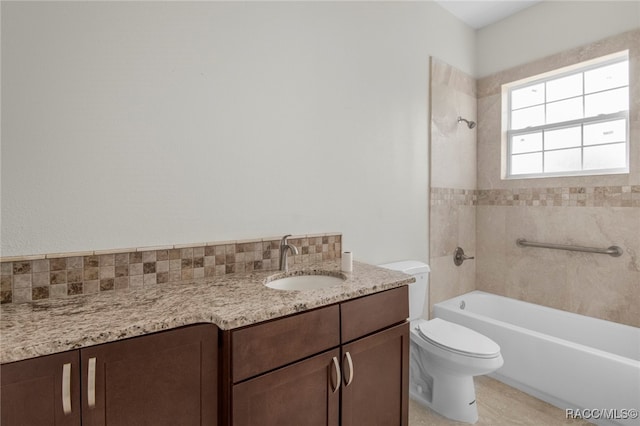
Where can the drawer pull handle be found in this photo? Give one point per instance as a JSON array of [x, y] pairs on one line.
[[336, 367], [348, 380], [66, 388], [91, 383]]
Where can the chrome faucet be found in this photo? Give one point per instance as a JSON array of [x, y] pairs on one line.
[[285, 247]]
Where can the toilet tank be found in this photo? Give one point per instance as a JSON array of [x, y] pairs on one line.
[[418, 295]]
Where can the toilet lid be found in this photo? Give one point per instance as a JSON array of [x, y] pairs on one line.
[[456, 338]]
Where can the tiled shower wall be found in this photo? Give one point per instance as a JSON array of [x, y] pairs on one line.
[[597, 211], [453, 181], [31, 278]]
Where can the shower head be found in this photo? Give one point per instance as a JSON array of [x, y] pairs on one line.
[[470, 124]]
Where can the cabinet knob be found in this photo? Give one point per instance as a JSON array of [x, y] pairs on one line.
[[66, 389], [336, 368]]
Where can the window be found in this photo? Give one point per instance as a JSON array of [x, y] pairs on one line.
[[570, 122]]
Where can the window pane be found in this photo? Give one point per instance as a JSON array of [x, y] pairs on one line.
[[606, 102], [573, 122], [527, 117], [565, 160], [608, 77], [526, 163], [612, 156], [607, 132], [562, 138], [563, 88], [527, 96], [526, 143], [569, 109]]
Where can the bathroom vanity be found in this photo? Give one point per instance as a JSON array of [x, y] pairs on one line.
[[345, 364], [338, 358], [160, 379]]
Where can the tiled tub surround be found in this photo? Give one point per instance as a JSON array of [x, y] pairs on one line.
[[595, 211], [41, 277], [452, 181], [453, 224], [229, 301], [588, 284]]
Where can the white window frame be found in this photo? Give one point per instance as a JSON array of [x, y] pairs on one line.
[[543, 78]]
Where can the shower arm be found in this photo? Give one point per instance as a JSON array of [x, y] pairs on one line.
[[470, 124]]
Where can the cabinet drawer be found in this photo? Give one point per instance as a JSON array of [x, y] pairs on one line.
[[368, 314], [263, 347]]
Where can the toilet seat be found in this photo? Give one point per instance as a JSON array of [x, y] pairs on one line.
[[456, 338]]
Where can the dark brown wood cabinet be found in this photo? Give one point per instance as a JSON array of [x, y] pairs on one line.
[[166, 378], [266, 346], [375, 379], [368, 314], [41, 391], [284, 372], [304, 393], [299, 360], [344, 364], [375, 359]]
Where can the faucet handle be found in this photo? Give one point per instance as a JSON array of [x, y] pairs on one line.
[[459, 256]]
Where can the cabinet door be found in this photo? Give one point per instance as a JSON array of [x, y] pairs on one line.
[[41, 391], [167, 378], [375, 372], [305, 393]]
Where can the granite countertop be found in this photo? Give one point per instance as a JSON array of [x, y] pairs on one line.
[[41, 328]]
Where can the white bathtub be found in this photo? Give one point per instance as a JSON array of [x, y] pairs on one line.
[[571, 361]]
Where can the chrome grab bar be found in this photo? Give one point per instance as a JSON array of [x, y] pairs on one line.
[[614, 251]]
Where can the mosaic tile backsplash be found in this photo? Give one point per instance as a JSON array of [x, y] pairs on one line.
[[454, 197], [31, 278], [598, 196]]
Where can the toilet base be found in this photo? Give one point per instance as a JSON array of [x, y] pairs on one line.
[[453, 397], [442, 379]]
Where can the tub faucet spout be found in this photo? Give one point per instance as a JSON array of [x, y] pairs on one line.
[[285, 248]]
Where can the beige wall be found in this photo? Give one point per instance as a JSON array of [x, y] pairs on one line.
[[549, 27], [135, 124], [453, 181], [592, 211]]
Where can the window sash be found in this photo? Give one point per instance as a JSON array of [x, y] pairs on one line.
[[571, 123], [578, 122], [622, 115]]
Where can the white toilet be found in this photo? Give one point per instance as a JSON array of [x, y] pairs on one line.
[[444, 356]]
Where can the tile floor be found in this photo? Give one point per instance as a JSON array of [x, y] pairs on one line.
[[498, 405]]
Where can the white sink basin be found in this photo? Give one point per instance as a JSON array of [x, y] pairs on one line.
[[305, 282]]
